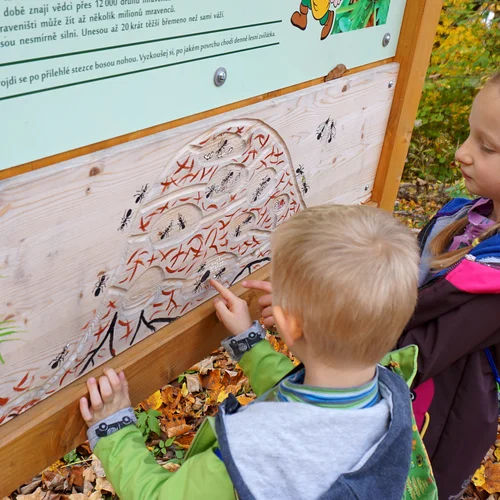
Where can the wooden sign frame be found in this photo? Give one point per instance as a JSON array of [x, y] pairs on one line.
[[43, 434]]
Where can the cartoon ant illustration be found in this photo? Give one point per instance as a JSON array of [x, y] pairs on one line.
[[237, 231], [300, 170], [141, 193], [219, 274], [59, 359], [202, 280], [181, 222], [100, 285], [125, 219], [201, 268], [260, 188], [223, 149], [326, 131], [166, 232]]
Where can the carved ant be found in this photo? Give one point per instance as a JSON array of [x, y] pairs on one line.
[[327, 128], [58, 360], [226, 179], [201, 268], [305, 186], [211, 190], [300, 170], [125, 219], [248, 220], [223, 150], [100, 285], [181, 222], [261, 187], [237, 231], [141, 193], [202, 280], [166, 232], [219, 274]]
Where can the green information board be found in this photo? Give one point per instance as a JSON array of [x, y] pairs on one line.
[[76, 72]]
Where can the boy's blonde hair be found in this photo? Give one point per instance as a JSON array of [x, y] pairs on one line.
[[349, 274]]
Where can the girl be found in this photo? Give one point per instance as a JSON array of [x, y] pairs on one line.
[[456, 324]]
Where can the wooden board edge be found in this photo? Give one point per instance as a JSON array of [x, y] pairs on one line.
[[58, 158], [414, 49], [54, 426]]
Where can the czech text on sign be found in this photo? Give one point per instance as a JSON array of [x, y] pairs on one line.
[[76, 72]]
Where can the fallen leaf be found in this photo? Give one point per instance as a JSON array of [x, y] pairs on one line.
[[52, 481], [222, 396], [497, 454], [30, 488], [492, 477], [244, 400], [78, 496], [177, 429], [39, 494], [97, 467], [184, 390], [96, 496], [89, 475], [88, 487], [193, 382], [205, 365], [102, 484], [171, 467], [76, 476], [153, 402]]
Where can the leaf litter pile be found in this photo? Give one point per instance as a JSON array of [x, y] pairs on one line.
[[170, 417]]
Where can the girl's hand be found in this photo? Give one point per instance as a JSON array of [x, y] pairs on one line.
[[265, 302], [231, 310], [110, 396]]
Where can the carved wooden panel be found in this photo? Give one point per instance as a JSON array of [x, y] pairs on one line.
[[99, 252]]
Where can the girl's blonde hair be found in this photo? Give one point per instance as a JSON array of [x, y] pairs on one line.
[[440, 244]]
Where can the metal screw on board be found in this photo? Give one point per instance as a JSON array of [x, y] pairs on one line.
[[386, 39], [391, 84], [220, 77]]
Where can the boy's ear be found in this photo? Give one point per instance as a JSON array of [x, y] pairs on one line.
[[288, 326]]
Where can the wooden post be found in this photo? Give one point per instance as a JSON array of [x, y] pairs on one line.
[[414, 50]]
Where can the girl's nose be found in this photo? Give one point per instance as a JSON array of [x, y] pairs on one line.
[[462, 155]]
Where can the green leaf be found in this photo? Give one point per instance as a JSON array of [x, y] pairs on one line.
[[179, 454], [71, 457], [154, 425], [169, 442]]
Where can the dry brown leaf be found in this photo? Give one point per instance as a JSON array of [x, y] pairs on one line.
[[96, 496], [76, 476], [39, 494], [193, 382], [102, 484], [153, 402], [244, 400], [178, 430], [88, 487], [97, 467], [171, 467], [89, 474], [78, 496], [222, 396], [492, 478], [205, 365], [53, 481], [30, 488]]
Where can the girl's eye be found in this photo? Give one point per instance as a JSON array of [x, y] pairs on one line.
[[486, 149]]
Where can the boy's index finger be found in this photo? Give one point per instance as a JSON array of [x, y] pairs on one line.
[[224, 292], [264, 286]]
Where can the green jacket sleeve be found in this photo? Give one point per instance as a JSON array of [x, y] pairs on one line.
[[264, 367], [135, 475]]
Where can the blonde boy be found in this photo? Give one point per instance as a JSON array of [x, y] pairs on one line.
[[337, 426]]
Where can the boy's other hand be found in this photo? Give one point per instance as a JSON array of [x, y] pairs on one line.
[[106, 398], [231, 310], [265, 302]]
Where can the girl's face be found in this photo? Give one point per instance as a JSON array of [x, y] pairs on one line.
[[479, 155]]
